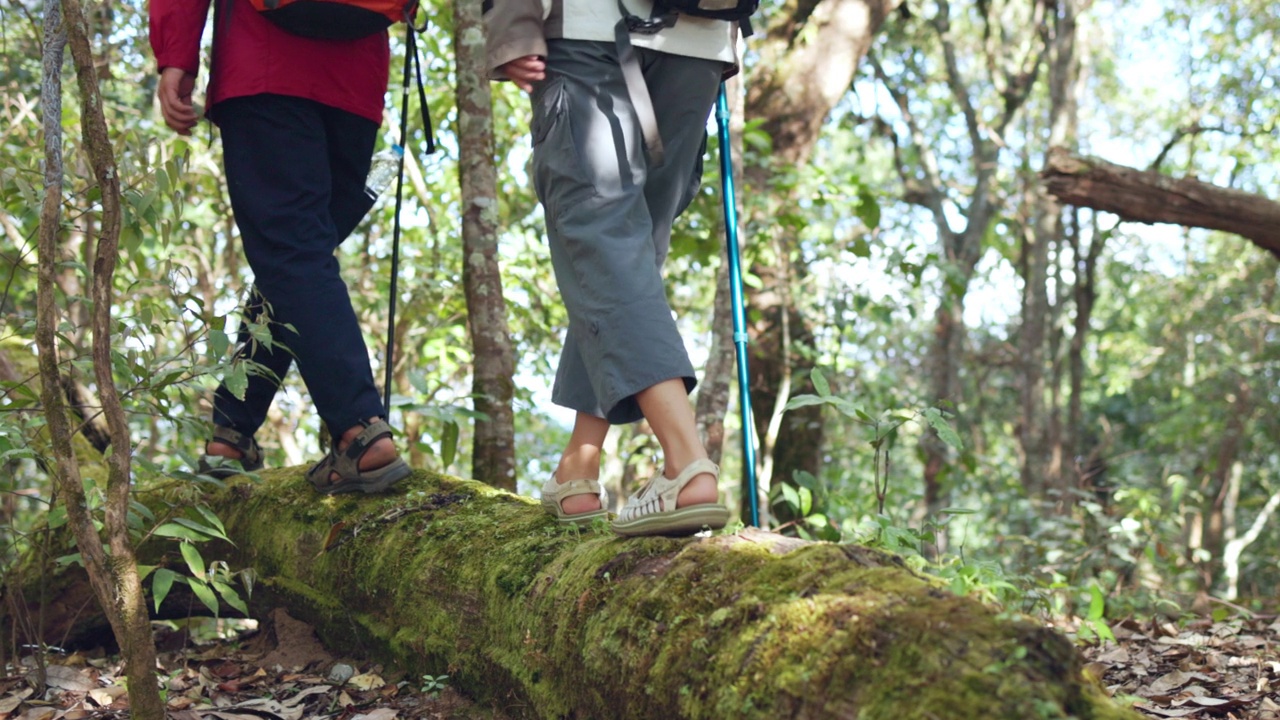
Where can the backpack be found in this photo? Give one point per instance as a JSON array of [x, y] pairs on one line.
[[739, 11], [336, 19], [665, 13]]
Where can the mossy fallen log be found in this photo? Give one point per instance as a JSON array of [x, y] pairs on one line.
[[451, 576]]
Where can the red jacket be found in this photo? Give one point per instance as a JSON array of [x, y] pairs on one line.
[[252, 56]]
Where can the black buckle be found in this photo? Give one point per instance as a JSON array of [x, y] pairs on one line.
[[643, 26], [650, 26]]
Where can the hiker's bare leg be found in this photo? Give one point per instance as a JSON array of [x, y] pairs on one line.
[[217, 448], [666, 407], [581, 460]]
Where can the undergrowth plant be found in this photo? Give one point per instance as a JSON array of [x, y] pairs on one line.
[[1043, 594]]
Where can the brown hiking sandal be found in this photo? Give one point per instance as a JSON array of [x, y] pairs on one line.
[[221, 468], [346, 465]]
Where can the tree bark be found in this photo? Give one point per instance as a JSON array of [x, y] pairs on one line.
[[809, 56], [926, 185], [718, 376], [544, 622], [1085, 448], [1149, 197], [493, 447], [1042, 466], [114, 575]]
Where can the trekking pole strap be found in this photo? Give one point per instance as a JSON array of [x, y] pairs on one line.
[[411, 49]]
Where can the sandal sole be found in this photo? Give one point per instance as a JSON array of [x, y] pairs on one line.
[[223, 472], [679, 522], [564, 518], [374, 481]]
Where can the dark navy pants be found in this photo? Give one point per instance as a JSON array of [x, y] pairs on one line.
[[295, 173]]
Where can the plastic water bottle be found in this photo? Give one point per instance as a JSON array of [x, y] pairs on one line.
[[383, 169]]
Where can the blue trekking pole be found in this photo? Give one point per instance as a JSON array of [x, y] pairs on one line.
[[739, 315]]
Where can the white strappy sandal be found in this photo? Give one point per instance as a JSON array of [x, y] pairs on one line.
[[652, 510], [554, 493]]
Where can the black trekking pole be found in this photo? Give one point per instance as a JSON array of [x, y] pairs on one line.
[[739, 315], [411, 61]]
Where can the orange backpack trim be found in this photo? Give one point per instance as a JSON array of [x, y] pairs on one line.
[[335, 19]]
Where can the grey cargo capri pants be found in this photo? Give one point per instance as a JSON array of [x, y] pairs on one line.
[[609, 216]]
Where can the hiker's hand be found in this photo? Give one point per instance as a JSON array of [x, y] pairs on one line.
[[525, 71], [174, 94]]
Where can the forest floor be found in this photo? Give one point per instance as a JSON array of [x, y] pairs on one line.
[[1200, 669], [1225, 670]]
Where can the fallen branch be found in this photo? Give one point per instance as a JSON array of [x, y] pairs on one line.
[[1148, 197]]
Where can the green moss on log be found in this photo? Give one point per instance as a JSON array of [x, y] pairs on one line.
[[454, 576], [451, 576]]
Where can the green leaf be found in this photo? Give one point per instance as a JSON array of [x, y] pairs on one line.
[[261, 333], [938, 421], [214, 520], [868, 209], [205, 593], [231, 597], [791, 496], [175, 530], [820, 383], [68, 560], [237, 380], [847, 408], [800, 401], [1103, 630], [218, 343], [161, 582], [1097, 603], [141, 510], [130, 239], [249, 577], [804, 478], [449, 443], [201, 528], [57, 517], [195, 562]]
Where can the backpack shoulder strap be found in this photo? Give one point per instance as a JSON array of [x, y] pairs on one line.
[[637, 90]]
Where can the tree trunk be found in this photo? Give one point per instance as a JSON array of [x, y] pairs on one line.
[[1217, 485], [809, 56], [1148, 197], [545, 622], [1041, 455], [719, 375], [114, 574], [943, 367], [493, 448], [925, 185]]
